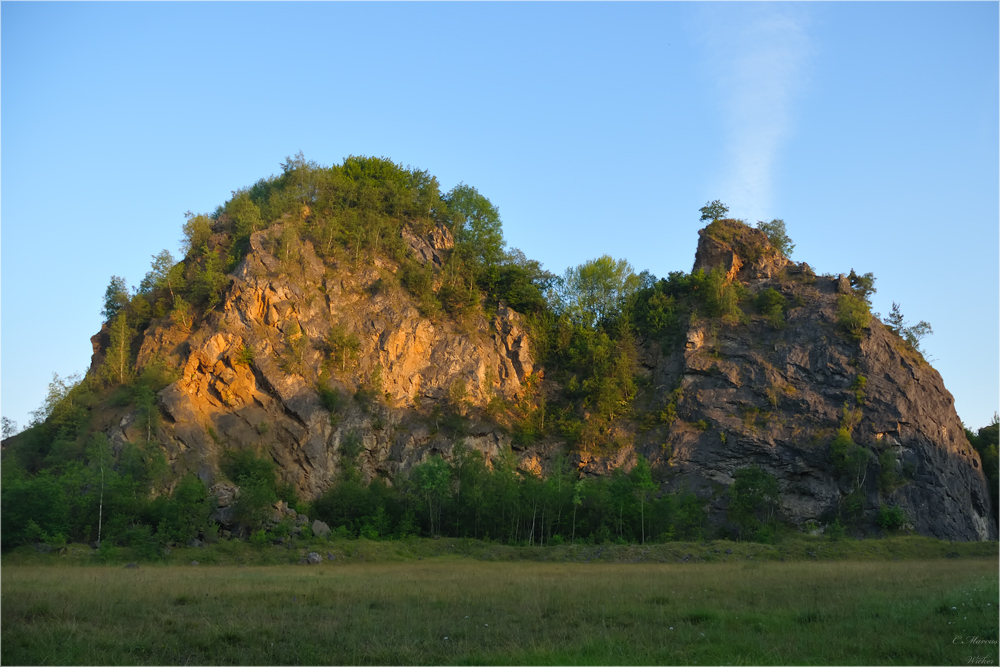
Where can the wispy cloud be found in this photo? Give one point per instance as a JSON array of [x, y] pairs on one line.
[[758, 55]]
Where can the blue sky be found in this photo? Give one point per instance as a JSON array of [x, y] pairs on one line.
[[870, 128]]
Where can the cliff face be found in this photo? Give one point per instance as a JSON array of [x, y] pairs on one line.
[[775, 397], [758, 392], [250, 371]]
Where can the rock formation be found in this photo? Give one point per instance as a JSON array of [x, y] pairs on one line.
[[751, 393], [775, 397], [250, 371]]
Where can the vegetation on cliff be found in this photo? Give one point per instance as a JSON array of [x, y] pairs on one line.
[[601, 337]]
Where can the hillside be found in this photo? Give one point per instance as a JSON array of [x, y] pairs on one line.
[[353, 342]]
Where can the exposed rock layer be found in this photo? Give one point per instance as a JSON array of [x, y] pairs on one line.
[[750, 393]]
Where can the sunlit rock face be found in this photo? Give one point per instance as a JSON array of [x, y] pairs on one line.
[[249, 372], [744, 392]]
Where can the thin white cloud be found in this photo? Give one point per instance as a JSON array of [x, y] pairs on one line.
[[758, 55]]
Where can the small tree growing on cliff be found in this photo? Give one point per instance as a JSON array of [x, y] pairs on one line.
[[775, 232], [116, 298], [117, 367], [713, 211], [911, 334]]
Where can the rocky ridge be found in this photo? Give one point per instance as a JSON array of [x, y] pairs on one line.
[[744, 394]]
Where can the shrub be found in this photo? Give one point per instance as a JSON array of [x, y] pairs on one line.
[[245, 355], [854, 504], [775, 232], [260, 538], [859, 384], [340, 346], [853, 316], [753, 501], [332, 400], [888, 478], [891, 517], [849, 458], [771, 303], [722, 297]]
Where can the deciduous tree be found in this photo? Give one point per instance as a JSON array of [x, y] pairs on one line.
[[116, 297], [597, 290], [713, 210], [775, 232]]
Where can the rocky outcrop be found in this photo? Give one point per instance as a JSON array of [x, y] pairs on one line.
[[251, 371], [431, 247], [750, 391], [753, 394], [742, 252]]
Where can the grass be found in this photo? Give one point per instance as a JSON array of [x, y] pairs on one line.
[[789, 548], [400, 610]]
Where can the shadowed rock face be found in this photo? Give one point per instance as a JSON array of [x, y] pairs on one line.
[[750, 394], [775, 398]]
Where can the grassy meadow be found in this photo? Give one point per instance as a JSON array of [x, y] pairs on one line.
[[451, 607]]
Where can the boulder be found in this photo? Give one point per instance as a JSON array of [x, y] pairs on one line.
[[223, 516], [320, 529], [313, 558], [225, 493]]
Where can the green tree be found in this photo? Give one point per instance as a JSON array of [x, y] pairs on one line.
[[209, 281], [578, 494], [341, 345], [58, 391], [776, 234], [597, 290], [643, 487], [9, 428], [911, 334], [148, 410], [864, 286], [244, 214], [197, 232], [117, 366], [771, 303], [849, 458], [478, 231], [165, 273], [713, 210], [116, 298], [255, 477], [38, 499], [986, 441], [853, 315], [433, 480], [722, 296], [753, 501]]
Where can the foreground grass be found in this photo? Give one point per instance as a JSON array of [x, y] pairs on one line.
[[453, 610]]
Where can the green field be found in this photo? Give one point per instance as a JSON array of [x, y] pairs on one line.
[[456, 609]]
